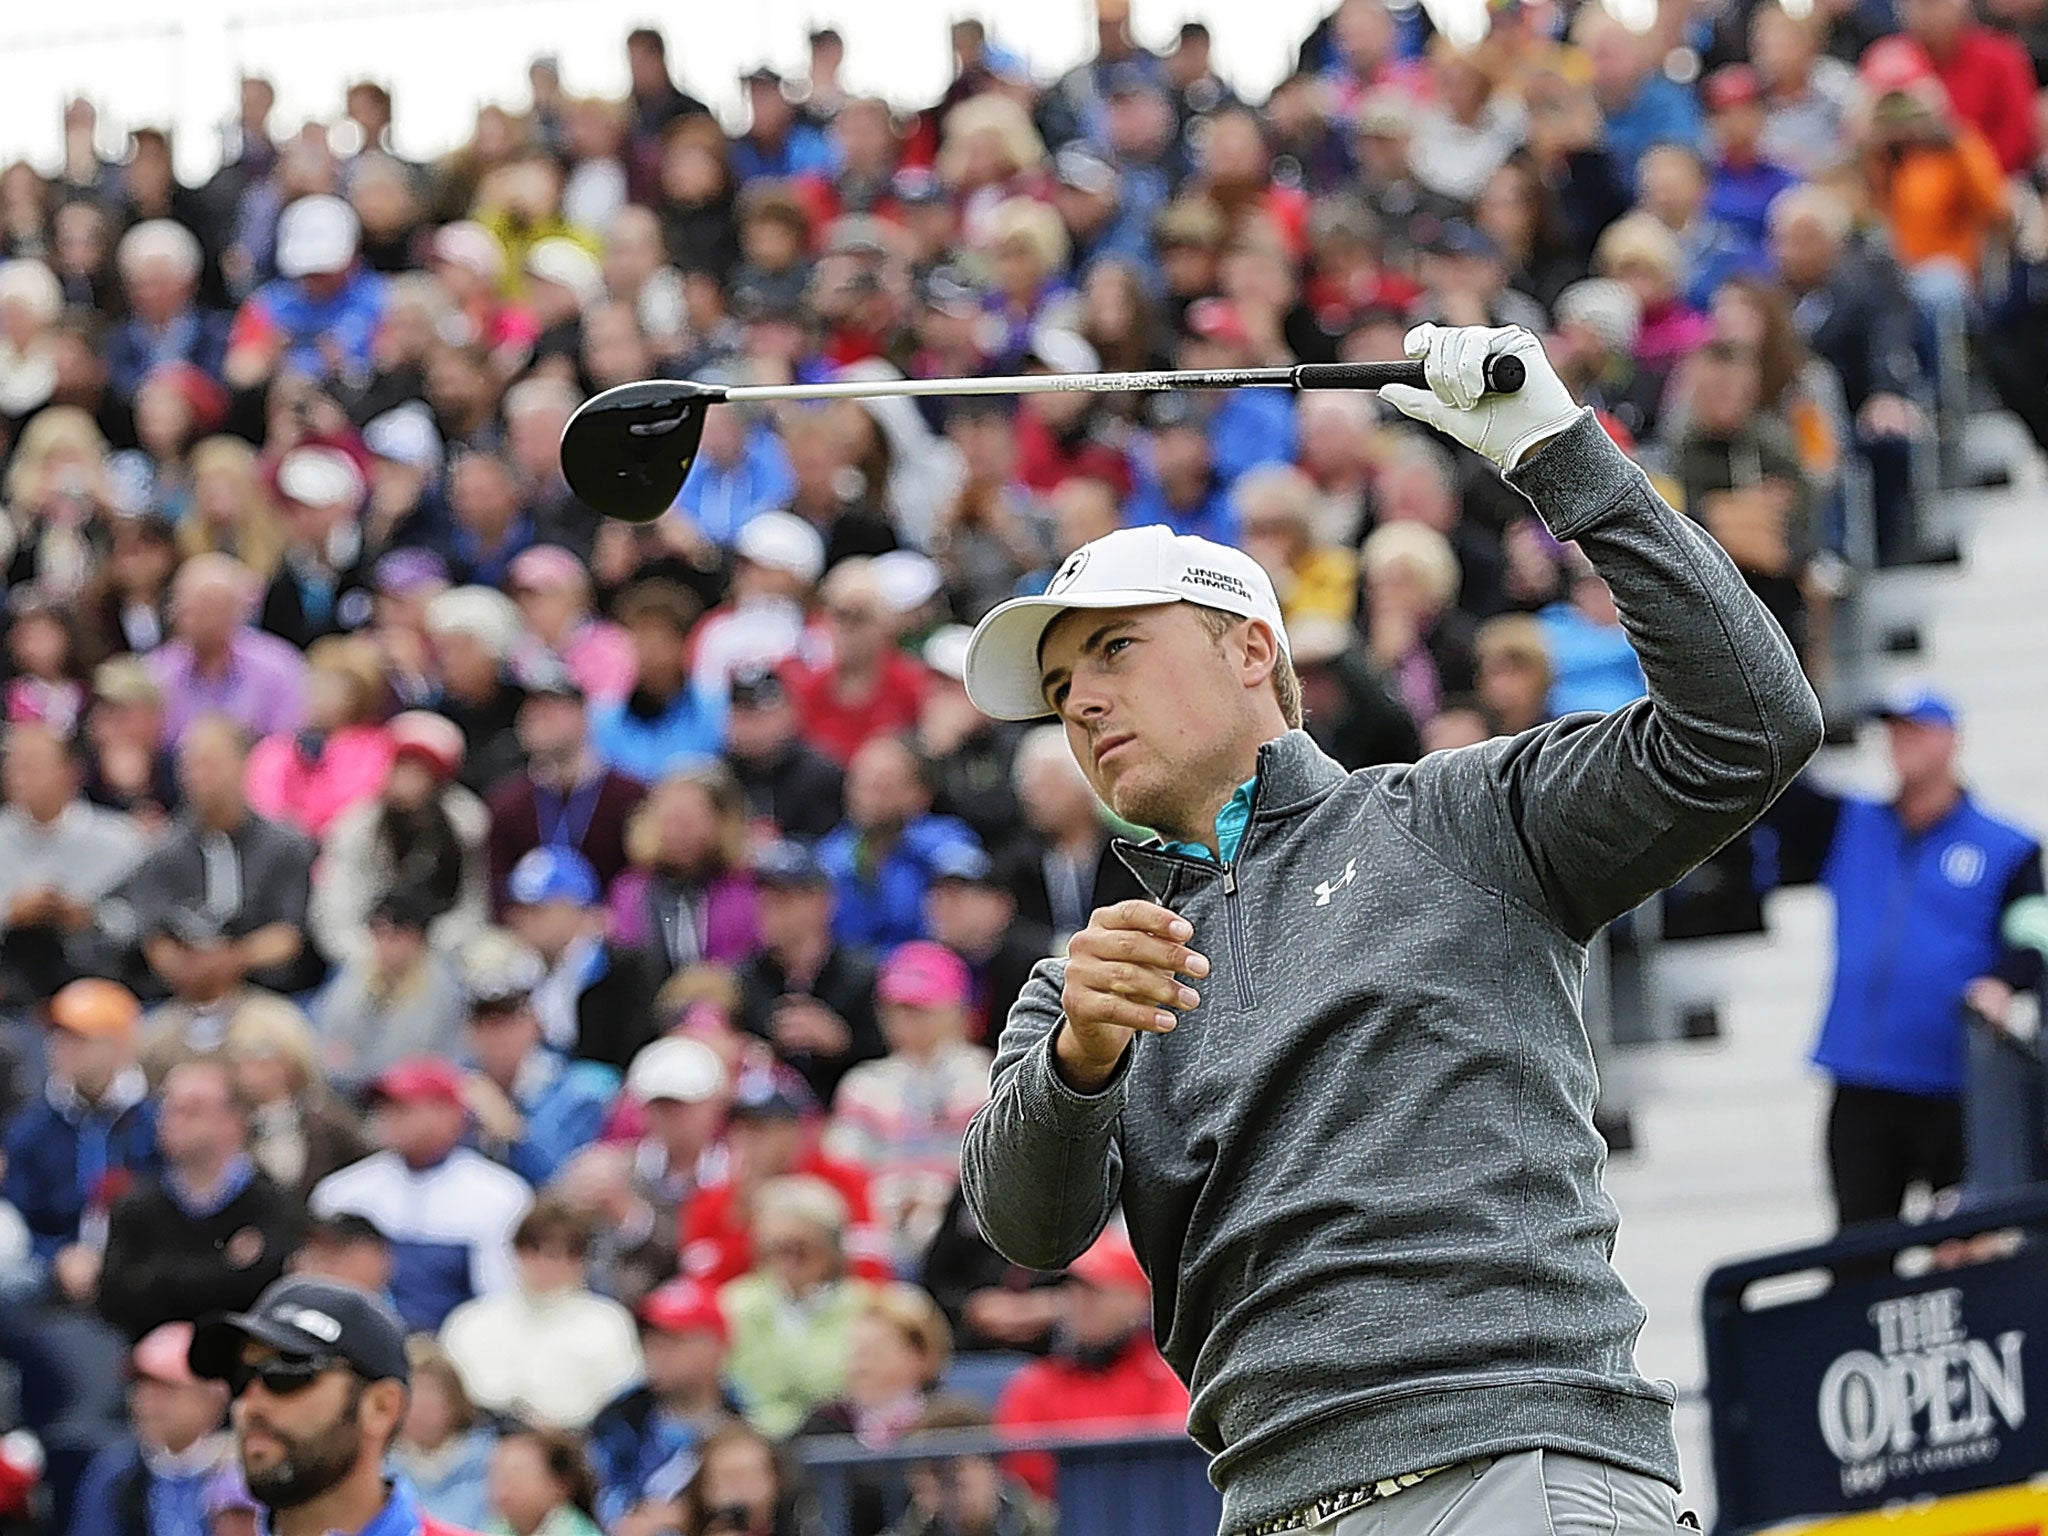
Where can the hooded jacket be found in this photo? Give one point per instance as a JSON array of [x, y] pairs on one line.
[[1362, 1173]]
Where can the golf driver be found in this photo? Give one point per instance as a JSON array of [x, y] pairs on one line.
[[627, 451]]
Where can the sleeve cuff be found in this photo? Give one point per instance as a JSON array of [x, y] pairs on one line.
[[1575, 476], [1050, 1099]]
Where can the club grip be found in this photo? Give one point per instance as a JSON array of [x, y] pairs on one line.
[[1505, 375]]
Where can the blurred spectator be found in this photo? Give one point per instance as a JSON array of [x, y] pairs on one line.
[[972, 911], [1064, 867], [552, 588], [350, 1248], [547, 1351], [1179, 483], [990, 1303], [777, 559], [688, 897], [967, 1495], [996, 529], [777, 142], [443, 1447], [298, 1134], [1276, 515], [127, 767], [1807, 95], [474, 631], [31, 299], [1592, 664], [43, 647], [161, 263], [866, 687], [970, 754], [211, 1230], [153, 1480], [1415, 636], [215, 663], [652, 100], [80, 1146], [1467, 127], [1677, 191], [59, 856], [230, 511], [1744, 180], [448, 1211], [1985, 73], [882, 857], [1104, 1369], [1742, 479], [1351, 712], [423, 834], [1514, 673], [667, 720], [1525, 219], [540, 1485], [534, 1108], [133, 601], [700, 228], [491, 524], [1892, 1039], [789, 785], [316, 319], [1641, 252], [341, 757], [792, 1315], [771, 1133], [745, 1486], [1641, 105], [60, 498], [222, 898], [1066, 434], [803, 992], [682, 1089], [1594, 351], [898, 1350], [1936, 183], [564, 797], [595, 1001], [322, 586], [396, 997], [903, 1117], [643, 1446]]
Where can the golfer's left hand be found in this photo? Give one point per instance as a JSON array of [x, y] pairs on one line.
[[1503, 427]]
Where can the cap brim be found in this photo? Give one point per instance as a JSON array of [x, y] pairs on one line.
[[217, 1344], [1002, 673]]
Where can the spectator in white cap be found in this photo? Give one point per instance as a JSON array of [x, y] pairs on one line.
[[682, 1089], [405, 469], [563, 279], [323, 586], [742, 470], [473, 633], [778, 558], [31, 299], [470, 264], [552, 589], [160, 263], [971, 755], [319, 316]]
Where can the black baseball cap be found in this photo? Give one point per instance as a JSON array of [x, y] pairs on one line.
[[307, 1317]]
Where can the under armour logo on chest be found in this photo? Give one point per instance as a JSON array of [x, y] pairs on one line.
[[1330, 888]]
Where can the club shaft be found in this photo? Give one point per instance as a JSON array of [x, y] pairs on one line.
[[1019, 384]]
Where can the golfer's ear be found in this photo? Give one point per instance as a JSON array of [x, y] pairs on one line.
[[1258, 651]]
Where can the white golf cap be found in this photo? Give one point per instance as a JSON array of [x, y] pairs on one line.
[[321, 477], [676, 1067], [558, 259], [783, 542], [316, 235], [1131, 568]]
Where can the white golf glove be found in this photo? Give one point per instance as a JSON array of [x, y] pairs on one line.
[[1503, 427]]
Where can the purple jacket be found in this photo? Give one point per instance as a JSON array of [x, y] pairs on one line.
[[727, 929]]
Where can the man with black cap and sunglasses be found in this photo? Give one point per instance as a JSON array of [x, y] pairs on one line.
[[318, 1376]]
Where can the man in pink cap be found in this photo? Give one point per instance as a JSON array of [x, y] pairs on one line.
[[178, 1445], [905, 1115]]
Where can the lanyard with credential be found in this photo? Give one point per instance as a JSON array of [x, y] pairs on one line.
[[572, 818]]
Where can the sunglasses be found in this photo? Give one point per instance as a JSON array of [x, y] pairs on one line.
[[282, 1375]]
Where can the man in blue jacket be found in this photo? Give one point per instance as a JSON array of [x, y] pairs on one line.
[[1335, 1070], [1920, 883]]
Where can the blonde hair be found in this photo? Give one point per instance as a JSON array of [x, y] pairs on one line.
[[1639, 237], [268, 1025], [1034, 224], [806, 1198], [913, 1314], [58, 430], [258, 532], [720, 790], [357, 661], [1513, 637], [1422, 550], [423, 1352], [998, 116]]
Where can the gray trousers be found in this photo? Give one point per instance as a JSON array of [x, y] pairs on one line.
[[1528, 1493]]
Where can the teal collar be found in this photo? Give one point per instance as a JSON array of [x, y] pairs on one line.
[[1231, 821]]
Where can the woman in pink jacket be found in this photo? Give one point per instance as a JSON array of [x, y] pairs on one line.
[[343, 755]]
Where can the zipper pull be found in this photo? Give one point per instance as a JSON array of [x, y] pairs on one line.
[[1229, 880]]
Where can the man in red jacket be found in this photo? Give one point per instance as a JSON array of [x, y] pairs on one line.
[[1988, 76], [1104, 1373], [318, 1374]]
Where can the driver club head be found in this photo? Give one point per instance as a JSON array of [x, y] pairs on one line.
[[627, 451]]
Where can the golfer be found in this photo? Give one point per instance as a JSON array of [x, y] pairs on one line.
[[1335, 1071]]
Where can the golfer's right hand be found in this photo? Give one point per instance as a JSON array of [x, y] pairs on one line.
[[1123, 976]]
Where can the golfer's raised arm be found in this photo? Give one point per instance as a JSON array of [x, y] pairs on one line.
[[1040, 1166], [1608, 809]]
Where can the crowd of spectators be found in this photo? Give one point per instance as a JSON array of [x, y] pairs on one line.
[[592, 936]]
